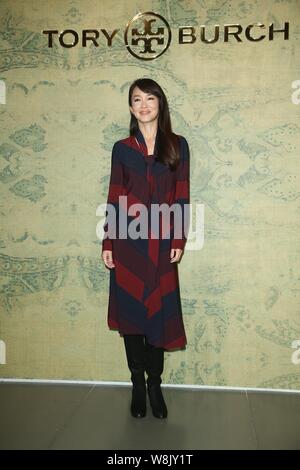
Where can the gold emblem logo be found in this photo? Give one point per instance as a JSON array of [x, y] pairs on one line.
[[147, 36]]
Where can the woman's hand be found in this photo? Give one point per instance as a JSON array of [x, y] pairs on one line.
[[108, 259], [175, 254]]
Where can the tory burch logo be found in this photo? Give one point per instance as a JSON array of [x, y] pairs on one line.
[[155, 36], [142, 30]]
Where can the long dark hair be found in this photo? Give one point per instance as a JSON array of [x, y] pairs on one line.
[[167, 142]]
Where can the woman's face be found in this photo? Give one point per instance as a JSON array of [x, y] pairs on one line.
[[144, 106]]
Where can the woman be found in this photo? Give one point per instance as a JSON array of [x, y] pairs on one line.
[[151, 166]]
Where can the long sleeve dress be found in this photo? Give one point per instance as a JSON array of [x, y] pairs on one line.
[[144, 295]]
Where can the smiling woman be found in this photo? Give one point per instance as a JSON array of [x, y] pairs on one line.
[[150, 168], [145, 107]]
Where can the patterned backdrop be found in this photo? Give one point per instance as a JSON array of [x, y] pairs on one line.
[[62, 111]]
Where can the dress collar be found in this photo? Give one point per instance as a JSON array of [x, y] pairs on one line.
[[140, 138]]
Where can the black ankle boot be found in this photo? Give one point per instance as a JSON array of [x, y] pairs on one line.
[[154, 368], [157, 402], [135, 353]]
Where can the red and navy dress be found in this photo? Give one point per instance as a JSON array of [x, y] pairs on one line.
[[144, 295]]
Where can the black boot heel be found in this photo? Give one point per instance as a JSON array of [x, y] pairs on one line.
[[157, 402]]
